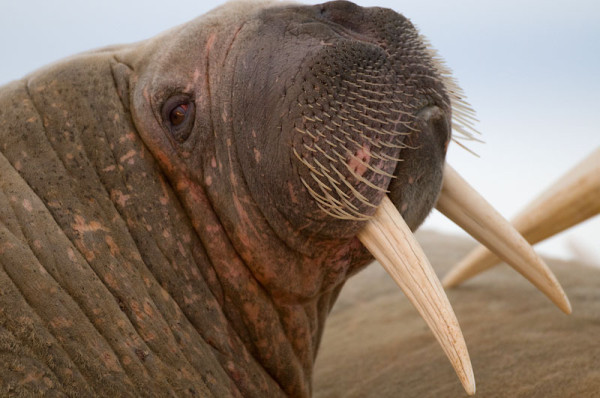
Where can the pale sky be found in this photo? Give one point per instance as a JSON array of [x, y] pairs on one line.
[[531, 70]]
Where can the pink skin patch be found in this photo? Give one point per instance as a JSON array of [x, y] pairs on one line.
[[292, 192], [359, 160], [257, 155], [27, 205], [128, 157]]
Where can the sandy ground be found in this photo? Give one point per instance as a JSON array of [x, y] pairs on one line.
[[376, 345]]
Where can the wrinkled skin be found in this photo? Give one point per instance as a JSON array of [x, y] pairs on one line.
[[146, 257]]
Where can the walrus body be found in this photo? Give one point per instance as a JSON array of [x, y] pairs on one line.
[[170, 218]]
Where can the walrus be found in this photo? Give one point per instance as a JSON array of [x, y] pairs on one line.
[[179, 215]]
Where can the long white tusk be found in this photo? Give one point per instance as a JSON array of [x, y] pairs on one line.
[[574, 198], [462, 204], [392, 243]]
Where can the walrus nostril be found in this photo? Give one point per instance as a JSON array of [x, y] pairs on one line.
[[436, 123]]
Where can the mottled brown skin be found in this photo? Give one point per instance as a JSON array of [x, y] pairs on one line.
[[145, 258]]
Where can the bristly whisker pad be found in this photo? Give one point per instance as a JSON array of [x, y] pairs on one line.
[[359, 104]]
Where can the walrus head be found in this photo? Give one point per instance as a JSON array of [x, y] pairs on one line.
[[291, 134], [325, 109], [350, 100]]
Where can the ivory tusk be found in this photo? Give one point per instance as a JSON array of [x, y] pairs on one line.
[[574, 198], [392, 243], [462, 204]]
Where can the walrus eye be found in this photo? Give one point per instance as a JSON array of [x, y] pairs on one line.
[[178, 114], [178, 117]]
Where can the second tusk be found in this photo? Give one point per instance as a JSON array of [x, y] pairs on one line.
[[462, 204], [574, 198]]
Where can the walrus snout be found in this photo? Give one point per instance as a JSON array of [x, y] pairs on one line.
[[340, 108], [418, 178], [435, 121]]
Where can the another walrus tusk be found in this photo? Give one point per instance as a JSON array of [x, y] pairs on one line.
[[392, 243], [462, 204], [574, 198]]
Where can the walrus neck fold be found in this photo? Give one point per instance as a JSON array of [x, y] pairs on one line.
[[283, 301]]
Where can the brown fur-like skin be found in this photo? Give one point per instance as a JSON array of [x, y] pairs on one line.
[[147, 260]]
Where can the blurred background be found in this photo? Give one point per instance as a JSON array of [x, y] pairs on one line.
[[530, 69]]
